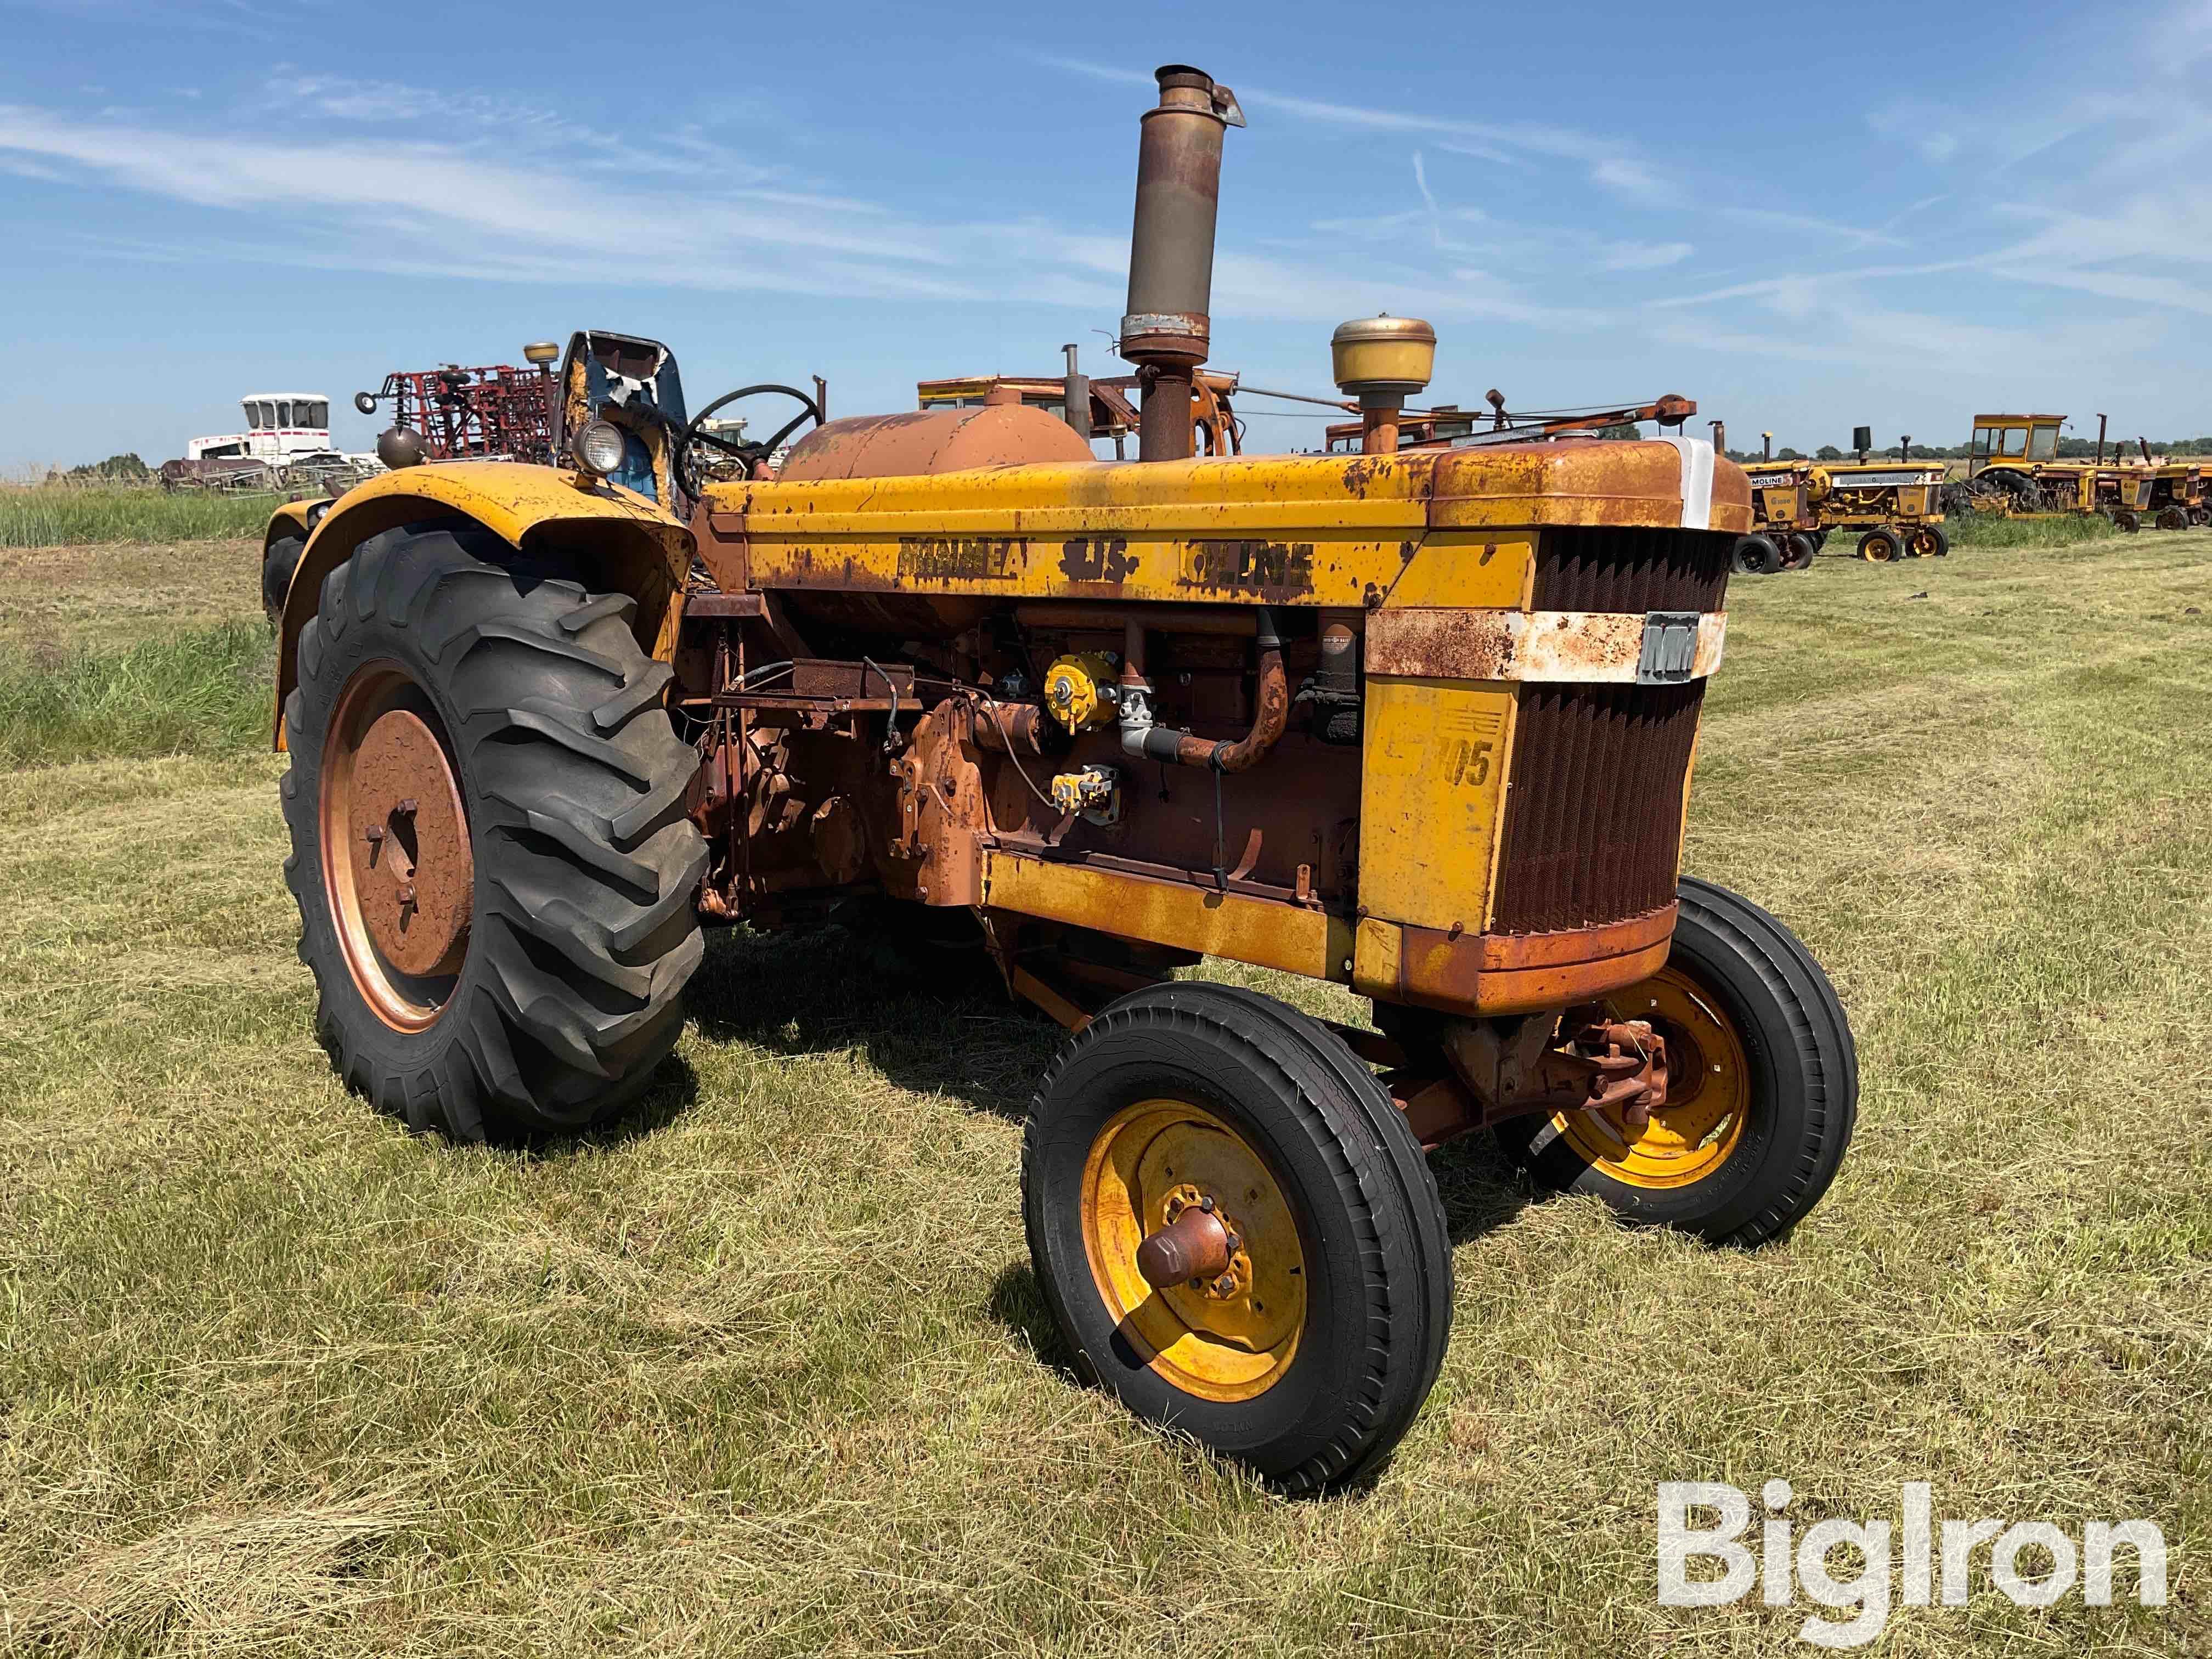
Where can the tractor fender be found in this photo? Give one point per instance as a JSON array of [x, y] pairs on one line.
[[290, 519], [627, 544]]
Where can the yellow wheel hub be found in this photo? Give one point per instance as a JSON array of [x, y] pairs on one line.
[[1227, 1338], [1708, 1093]]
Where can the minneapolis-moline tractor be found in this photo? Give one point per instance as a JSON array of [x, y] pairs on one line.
[[1896, 507], [1420, 724], [2013, 469]]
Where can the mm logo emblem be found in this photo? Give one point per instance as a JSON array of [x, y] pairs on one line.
[[1670, 647]]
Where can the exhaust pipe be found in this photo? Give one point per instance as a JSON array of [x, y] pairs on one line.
[[1166, 330]]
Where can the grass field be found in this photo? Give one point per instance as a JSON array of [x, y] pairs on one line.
[[50, 515], [761, 1369]]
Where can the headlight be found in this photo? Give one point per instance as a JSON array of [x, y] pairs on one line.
[[598, 448]]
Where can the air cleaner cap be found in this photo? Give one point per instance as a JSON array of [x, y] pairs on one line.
[[1383, 356]]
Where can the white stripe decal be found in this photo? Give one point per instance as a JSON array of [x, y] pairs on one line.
[[1697, 455]]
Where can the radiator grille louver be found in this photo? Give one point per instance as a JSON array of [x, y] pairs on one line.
[[1631, 570], [1594, 815]]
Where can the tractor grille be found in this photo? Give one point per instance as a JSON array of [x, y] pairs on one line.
[[1631, 570], [1594, 815]]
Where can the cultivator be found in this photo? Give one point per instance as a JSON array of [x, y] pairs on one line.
[[1415, 721], [497, 411]]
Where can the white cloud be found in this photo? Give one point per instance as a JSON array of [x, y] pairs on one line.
[[1643, 256]]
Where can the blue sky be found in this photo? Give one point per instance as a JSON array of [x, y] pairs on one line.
[[1886, 214]]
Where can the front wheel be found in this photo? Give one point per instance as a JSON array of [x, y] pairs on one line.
[[276, 567], [493, 870], [1928, 541], [1881, 545], [1236, 1232], [1756, 556], [1762, 1088]]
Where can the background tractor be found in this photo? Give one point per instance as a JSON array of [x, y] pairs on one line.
[[1896, 507], [1417, 723], [2013, 468]]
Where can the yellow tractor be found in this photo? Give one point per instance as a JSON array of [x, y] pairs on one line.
[[1419, 724], [2013, 468], [1897, 507]]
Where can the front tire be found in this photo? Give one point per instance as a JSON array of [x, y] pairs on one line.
[[1929, 542], [1757, 556], [493, 870], [276, 567], [1762, 1095], [1881, 545], [1313, 1359]]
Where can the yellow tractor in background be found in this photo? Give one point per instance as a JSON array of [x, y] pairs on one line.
[[2013, 469], [1416, 723], [1897, 507]]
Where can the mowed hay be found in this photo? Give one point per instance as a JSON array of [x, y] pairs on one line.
[[761, 1368], [58, 598]]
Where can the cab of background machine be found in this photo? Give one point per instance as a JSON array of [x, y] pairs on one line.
[[2018, 438]]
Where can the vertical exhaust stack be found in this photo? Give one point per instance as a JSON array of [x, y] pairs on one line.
[[1166, 330]]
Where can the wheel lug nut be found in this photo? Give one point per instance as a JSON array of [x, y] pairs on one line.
[[405, 809], [373, 834], [1206, 1205]]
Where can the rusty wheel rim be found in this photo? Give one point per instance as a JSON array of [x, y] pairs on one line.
[[1708, 1093], [398, 866], [1233, 1338]]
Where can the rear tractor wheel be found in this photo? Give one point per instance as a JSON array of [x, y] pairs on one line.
[[493, 870], [1883, 546], [1762, 1088], [1236, 1232]]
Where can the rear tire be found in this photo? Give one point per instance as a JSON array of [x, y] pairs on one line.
[[1194, 1072], [1778, 1051], [578, 929], [276, 567]]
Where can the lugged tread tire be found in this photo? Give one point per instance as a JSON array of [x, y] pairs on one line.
[[1379, 1261], [1805, 1081], [276, 567], [583, 927]]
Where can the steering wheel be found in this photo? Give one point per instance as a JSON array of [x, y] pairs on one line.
[[690, 468]]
